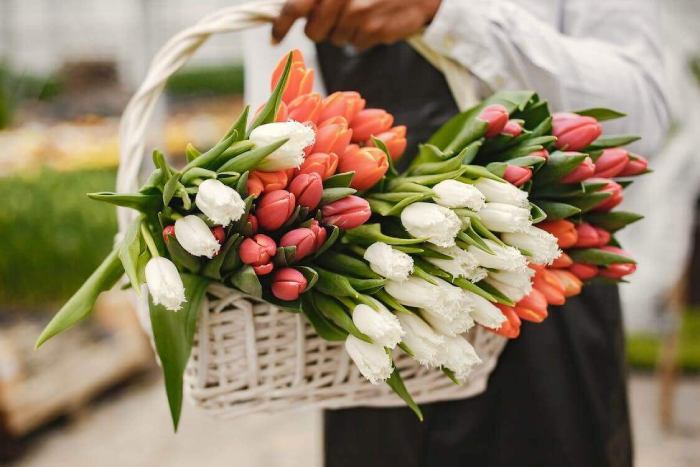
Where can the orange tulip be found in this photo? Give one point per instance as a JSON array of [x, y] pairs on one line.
[[369, 164], [394, 140], [264, 182], [344, 104], [572, 284], [324, 164], [300, 81], [562, 262], [564, 230], [305, 108], [511, 326], [333, 135], [533, 307], [370, 122], [550, 286], [584, 271]]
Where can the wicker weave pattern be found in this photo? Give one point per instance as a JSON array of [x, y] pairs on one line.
[[250, 356]]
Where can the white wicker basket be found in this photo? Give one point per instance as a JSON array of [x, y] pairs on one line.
[[249, 356]]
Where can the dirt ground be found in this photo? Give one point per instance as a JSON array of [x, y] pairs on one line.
[[131, 428]]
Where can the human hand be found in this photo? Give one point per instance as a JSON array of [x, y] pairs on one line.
[[361, 23]]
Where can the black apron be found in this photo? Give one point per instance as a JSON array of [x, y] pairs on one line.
[[558, 394]]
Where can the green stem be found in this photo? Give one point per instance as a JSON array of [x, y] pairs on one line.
[[148, 238]]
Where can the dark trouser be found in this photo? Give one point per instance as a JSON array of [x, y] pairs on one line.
[[556, 398]]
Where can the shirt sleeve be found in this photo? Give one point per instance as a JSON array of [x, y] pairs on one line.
[[588, 54]]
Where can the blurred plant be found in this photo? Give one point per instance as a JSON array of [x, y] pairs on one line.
[[207, 81], [17, 87], [52, 239]]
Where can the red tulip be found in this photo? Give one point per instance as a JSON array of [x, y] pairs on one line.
[[253, 222], [168, 231], [347, 213], [510, 328], [574, 132], [308, 189], [587, 236], [320, 233], [394, 140], [533, 307], [305, 108], [345, 104], [572, 284], [280, 116], [562, 262], [288, 284], [617, 271], [263, 269], [324, 164], [257, 250], [611, 163], [264, 182], [550, 286], [564, 230], [333, 135], [583, 172], [219, 234], [516, 175], [611, 187], [370, 122], [303, 239], [274, 209], [603, 236], [584, 271], [512, 128], [369, 164], [635, 166], [543, 153], [496, 116], [300, 80]]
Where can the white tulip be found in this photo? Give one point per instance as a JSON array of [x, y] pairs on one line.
[[449, 326], [381, 325], [500, 217], [454, 194], [371, 359], [504, 257], [439, 225], [513, 284], [486, 313], [443, 298], [463, 264], [502, 192], [194, 236], [388, 262], [220, 203], [459, 356], [164, 283], [426, 344], [540, 245], [290, 154]]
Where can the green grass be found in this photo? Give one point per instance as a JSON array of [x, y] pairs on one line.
[[51, 235], [207, 81], [643, 350]]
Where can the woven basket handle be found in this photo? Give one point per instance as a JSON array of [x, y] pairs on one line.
[[177, 51]]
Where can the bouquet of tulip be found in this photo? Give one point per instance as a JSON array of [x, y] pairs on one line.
[[304, 209]]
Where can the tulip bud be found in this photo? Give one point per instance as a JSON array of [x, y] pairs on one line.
[[616, 197], [291, 153], [280, 116], [550, 286], [252, 225], [427, 346], [164, 283], [388, 262], [195, 237], [324, 164], [486, 313], [611, 162], [511, 326], [574, 132], [533, 307], [261, 182], [319, 232], [168, 231], [604, 236], [300, 80], [381, 325], [635, 166], [540, 245], [572, 284], [332, 136], [345, 104], [501, 192], [506, 258], [394, 140], [288, 284], [500, 217], [617, 271], [219, 234], [513, 128], [308, 189], [513, 284], [369, 164], [437, 224], [274, 208], [564, 261], [347, 213], [371, 359], [584, 271], [496, 116], [303, 239], [543, 153], [459, 356], [443, 299], [587, 236], [516, 175], [220, 203], [305, 108], [453, 194], [462, 263], [370, 122], [564, 230], [583, 172], [257, 250]]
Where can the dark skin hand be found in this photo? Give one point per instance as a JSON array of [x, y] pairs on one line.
[[361, 23]]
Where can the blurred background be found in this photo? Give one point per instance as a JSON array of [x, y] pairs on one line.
[[94, 397]]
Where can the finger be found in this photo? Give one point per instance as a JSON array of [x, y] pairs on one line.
[[348, 23], [323, 18], [369, 34], [291, 11]]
